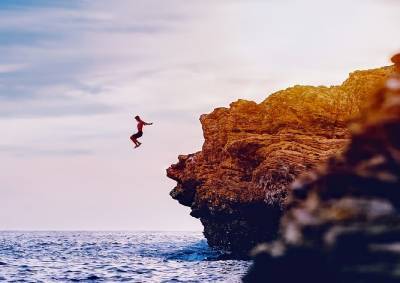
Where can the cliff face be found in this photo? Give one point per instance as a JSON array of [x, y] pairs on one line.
[[342, 222], [237, 185]]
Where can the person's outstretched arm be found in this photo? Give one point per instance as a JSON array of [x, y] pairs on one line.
[[147, 123]]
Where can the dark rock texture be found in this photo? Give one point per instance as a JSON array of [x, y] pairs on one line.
[[237, 185], [342, 222]]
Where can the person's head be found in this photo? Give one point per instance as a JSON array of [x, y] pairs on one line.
[[137, 118]]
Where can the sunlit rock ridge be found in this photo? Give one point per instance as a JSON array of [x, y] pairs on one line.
[[237, 185]]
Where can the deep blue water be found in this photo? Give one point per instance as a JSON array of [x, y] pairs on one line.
[[113, 257]]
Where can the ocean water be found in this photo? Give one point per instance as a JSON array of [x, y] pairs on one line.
[[113, 257]]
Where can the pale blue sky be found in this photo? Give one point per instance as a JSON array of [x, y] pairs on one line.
[[74, 73]]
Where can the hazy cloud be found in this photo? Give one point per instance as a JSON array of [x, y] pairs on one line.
[[26, 151]]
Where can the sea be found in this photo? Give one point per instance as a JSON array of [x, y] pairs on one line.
[[75, 256]]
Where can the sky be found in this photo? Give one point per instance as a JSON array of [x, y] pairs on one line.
[[73, 74]]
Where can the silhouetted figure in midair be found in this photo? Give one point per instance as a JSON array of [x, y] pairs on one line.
[[140, 125]]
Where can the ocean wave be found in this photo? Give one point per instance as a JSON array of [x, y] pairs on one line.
[[113, 256]]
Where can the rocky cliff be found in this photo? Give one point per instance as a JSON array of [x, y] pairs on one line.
[[342, 221], [237, 185]]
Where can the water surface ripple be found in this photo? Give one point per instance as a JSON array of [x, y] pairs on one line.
[[113, 257]]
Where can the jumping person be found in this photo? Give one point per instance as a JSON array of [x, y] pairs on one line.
[[140, 125]]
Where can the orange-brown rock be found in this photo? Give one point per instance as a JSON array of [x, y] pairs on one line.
[[342, 220], [237, 184]]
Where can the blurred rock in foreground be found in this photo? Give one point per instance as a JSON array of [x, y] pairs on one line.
[[342, 222]]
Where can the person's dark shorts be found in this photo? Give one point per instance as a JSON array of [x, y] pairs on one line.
[[137, 135]]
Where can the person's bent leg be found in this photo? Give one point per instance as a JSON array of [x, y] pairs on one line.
[[134, 140], [139, 134]]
